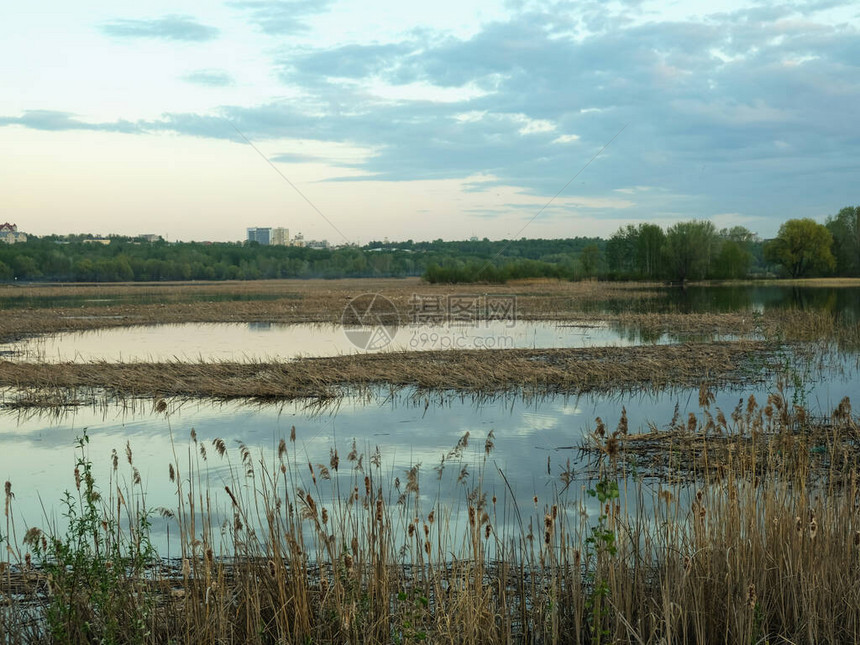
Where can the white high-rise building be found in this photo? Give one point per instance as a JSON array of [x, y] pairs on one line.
[[281, 236]]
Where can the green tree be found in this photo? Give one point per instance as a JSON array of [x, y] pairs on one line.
[[845, 229], [621, 251], [649, 249], [690, 248], [735, 256], [801, 247], [590, 260], [25, 267]]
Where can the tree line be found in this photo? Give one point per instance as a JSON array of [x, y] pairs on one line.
[[80, 259], [691, 250]]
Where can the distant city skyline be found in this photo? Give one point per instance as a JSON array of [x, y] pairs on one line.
[[353, 121]]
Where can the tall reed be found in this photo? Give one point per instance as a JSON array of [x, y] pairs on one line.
[[752, 539]]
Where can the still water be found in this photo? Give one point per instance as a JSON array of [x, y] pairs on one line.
[[268, 341], [534, 441]]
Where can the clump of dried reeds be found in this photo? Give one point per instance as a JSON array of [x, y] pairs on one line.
[[486, 371], [299, 549]]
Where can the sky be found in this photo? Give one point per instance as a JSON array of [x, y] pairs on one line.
[[356, 120]]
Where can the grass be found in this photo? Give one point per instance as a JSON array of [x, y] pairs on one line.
[[640, 307], [286, 301], [528, 371], [295, 551]]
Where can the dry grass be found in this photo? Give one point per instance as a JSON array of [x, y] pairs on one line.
[[753, 436], [486, 371], [295, 551], [288, 301], [323, 301]]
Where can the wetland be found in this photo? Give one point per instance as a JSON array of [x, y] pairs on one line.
[[223, 462]]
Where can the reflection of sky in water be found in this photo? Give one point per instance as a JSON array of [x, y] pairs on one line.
[[259, 341], [37, 456]]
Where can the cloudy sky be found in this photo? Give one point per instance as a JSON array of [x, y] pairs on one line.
[[360, 119]]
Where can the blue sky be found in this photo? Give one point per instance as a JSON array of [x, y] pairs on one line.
[[440, 120]]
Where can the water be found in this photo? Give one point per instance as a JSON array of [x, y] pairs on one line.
[[534, 440], [268, 341], [841, 301]]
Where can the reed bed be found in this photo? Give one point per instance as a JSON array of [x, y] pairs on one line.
[[487, 371], [284, 301], [284, 549], [574, 306], [821, 450]]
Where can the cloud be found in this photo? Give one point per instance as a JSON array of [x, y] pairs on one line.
[[748, 112], [54, 121], [282, 17], [210, 77], [171, 27]]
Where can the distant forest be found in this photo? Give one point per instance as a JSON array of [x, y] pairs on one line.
[[691, 250]]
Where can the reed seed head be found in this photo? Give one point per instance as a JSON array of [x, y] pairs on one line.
[[220, 446]]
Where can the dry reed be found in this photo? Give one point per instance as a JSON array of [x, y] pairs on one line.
[[295, 552], [488, 371]]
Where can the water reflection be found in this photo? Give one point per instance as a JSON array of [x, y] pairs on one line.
[[841, 301], [269, 341], [535, 441]]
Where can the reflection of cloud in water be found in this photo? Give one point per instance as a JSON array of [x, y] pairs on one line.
[[37, 455]]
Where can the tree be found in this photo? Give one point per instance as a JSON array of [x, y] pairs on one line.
[[689, 249], [735, 256], [801, 247], [845, 229], [649, 249], [590, 260], [621, 251]]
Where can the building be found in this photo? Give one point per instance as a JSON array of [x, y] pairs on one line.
[[98, 240], [281, 236], [317, 244], [298, 240], [9, 233], [261, 235], [150, 237]]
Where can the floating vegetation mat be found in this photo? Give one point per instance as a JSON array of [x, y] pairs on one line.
[[487, 371]]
